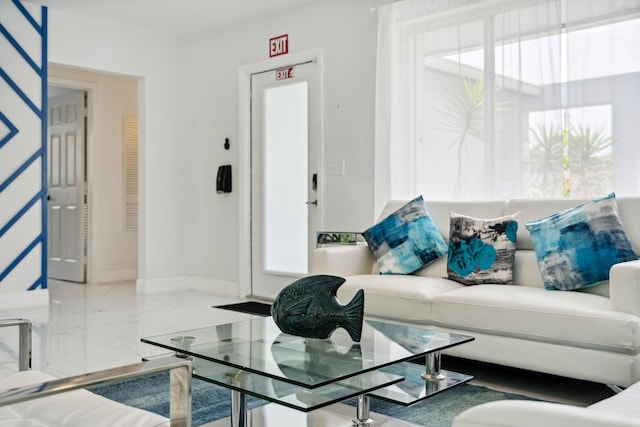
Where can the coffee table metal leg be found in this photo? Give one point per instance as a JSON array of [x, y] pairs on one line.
[[432, 367], [238, 409], [363, 418]]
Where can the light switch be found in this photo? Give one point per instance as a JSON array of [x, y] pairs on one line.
[[335, 167]]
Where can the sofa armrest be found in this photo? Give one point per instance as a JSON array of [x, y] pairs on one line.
[[522, 413], [624, 287], [342, 260], [179, 385]]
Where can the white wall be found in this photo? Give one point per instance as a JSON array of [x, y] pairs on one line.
[[346, 32], [189, 104], [166, 140]]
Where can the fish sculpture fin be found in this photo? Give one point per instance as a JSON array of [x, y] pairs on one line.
[[330, 283], [353, 313], [333, 283], [299, 307]]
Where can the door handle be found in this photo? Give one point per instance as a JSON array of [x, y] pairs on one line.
[[314, 203]]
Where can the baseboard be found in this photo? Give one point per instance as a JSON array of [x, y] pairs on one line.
[[17, 299], [111, 276], [219, 287], [201, 284]]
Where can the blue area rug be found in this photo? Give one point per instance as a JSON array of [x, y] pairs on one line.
[[211, 402]]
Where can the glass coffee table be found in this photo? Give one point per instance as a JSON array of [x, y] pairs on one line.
[[254, 357]]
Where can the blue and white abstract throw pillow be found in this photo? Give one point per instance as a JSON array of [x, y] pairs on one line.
[[575, 248], [482, 251], [406, 240]]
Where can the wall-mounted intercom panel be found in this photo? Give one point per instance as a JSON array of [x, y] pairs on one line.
[[223, 181]]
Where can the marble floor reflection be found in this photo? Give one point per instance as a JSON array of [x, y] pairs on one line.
[[90, 327]]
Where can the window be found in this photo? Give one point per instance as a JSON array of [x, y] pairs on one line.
[[501, 99]]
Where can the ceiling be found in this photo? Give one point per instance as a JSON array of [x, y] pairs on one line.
[[186, 19]]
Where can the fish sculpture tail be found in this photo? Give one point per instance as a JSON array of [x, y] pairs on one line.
[[353, 313]]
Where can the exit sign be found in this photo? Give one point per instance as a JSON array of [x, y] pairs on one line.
[[284, 73], [279, 45]]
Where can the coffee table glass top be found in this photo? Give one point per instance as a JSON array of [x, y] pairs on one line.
[[287, 394], [258, 346]]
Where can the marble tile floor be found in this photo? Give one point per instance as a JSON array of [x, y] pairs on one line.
[[91, 327]]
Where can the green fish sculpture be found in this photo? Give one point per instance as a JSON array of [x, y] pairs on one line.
[[309, 308]]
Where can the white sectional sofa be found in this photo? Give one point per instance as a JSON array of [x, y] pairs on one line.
[[591, 334]]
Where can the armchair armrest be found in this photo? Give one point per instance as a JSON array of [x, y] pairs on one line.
[[342, 260], [515, 413], [24, 350], [624, 287], [179, 385], [179, 378]]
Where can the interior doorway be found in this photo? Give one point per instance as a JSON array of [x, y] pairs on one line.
[[109, 239]]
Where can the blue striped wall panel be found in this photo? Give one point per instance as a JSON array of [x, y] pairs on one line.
[[23, 143]]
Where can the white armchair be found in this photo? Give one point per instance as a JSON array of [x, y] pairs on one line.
[[620, 410], [34, 398]]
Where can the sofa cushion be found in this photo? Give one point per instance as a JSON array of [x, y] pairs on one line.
[[406, 240], [437, 268], [404, 298], [525, 269], [570, 318], [481, 250], [576, 247]]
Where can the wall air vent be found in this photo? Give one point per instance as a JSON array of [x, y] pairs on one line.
[[130, 170]]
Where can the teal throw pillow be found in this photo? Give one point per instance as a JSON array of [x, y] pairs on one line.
[[406, 240], [482, 251], [575, 248]]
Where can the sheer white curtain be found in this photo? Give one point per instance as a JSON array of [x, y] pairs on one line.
[[508, 98]]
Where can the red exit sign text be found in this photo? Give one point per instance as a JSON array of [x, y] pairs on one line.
[[279, 45], [284, 73]]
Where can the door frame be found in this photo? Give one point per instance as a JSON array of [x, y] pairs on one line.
[[90, 89], [244, 153]]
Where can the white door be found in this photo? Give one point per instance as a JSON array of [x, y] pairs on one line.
[[66, 186], [285, 140]]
